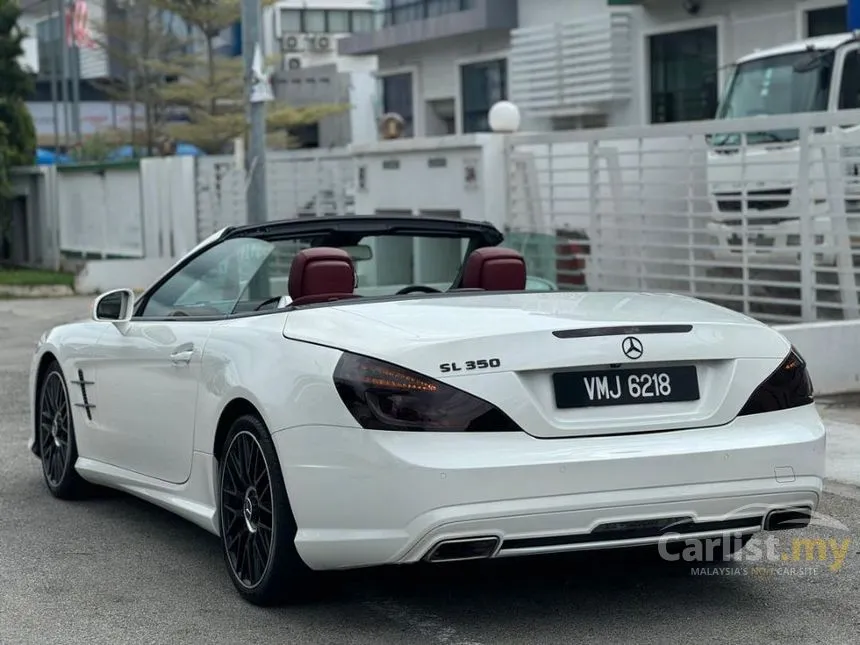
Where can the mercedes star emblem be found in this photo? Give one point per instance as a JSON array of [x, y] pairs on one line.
[[632, 347]]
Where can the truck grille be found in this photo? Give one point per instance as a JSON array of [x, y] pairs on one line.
[[761, 200]]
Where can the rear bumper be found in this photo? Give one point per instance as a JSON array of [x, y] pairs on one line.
[[364, 498]]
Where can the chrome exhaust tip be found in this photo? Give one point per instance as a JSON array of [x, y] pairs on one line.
[[783, 519], [460, 550]]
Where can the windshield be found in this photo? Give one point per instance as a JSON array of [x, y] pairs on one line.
[[240, 274], [773, 86]]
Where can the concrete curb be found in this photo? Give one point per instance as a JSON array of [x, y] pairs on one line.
[[36, 291]]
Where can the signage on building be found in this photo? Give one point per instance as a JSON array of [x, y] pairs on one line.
[[96, 116]]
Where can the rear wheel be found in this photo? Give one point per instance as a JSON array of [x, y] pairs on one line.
[[258, 529], [56, 436]]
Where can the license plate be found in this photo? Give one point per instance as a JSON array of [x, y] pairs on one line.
[[625, 386]]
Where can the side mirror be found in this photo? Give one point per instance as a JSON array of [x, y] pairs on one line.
[[114, 306]]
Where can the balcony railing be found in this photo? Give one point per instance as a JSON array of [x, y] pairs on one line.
[[419, 10]]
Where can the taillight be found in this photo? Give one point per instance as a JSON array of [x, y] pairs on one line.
[[382, 396], [789, 386]]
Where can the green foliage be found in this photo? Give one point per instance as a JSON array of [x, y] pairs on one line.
[[16, 85], [17, 132], [209, 87]]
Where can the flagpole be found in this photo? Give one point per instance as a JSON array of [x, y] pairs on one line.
[[64, 87], [55, 90], [76, 74]]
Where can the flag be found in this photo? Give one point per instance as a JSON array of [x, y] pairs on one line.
[[77, 25]]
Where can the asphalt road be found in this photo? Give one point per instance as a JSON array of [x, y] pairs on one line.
[[115, 570]]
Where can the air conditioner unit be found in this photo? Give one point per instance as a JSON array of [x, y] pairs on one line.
[[321, 43], [294, 62], [290, 43]]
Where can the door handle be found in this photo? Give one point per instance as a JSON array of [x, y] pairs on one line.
[[182, 356]]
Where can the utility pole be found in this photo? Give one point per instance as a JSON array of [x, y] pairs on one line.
[[131, 78], [76, 75], [255, 161], [55, 90], [63, 35]]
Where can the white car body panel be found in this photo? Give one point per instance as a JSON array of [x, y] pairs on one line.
[[422, 334], [365, 497]]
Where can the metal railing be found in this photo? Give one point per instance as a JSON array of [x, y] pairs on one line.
[[769, 228]]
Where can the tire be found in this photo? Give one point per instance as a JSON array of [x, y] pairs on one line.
[[58, 449], [250, 483]]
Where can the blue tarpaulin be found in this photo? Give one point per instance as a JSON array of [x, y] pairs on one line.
[[49, 158], [126, 152]]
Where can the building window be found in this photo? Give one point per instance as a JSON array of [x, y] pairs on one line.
[[48, 35], [337, 22], [318, 21], [362, 21], [291, 21], [824, 22], [397, 97], [398, 12], [684, 72], [314, 21], [482, 85]]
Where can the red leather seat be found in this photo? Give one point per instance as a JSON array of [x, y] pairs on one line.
[[495, 269], [321, 274]]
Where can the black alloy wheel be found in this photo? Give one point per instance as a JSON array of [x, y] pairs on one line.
[[56, 436], [257, 526]]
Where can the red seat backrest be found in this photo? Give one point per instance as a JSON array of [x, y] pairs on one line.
[[495, 269], [321, 274]]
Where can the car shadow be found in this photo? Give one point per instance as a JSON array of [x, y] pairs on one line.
[[586, 578]]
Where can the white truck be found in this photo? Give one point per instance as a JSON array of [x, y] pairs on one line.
[[753, 187]]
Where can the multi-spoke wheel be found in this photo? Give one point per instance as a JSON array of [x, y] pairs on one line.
[[258, 530], [56, 436]]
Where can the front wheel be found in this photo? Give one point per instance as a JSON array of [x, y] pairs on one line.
[[258, 529], [56, 435]]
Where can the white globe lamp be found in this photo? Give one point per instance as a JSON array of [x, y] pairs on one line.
[[504, 116]]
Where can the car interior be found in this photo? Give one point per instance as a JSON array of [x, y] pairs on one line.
[[325, 274], [246, 274]]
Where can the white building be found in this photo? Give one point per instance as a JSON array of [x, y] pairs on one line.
[[304, 33], [569, 64], [303, 36]]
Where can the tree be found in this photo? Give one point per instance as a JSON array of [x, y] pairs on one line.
[[205, 86], [17, 133], [131, 38], [16, 85]]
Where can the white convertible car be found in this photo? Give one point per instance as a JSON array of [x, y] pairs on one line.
[[297, 389]]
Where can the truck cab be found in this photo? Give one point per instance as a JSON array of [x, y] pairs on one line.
[[753, 176]]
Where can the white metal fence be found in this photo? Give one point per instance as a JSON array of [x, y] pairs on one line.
[[299, 183], [100, 211], [761, 215], [767, 223]]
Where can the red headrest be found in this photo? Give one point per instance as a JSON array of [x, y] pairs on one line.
[[319, 272], [495, 269]]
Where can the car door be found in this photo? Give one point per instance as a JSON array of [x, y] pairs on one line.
[[149, 369], [148, 377]]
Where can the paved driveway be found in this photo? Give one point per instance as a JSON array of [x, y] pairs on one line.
[[115, 570]]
